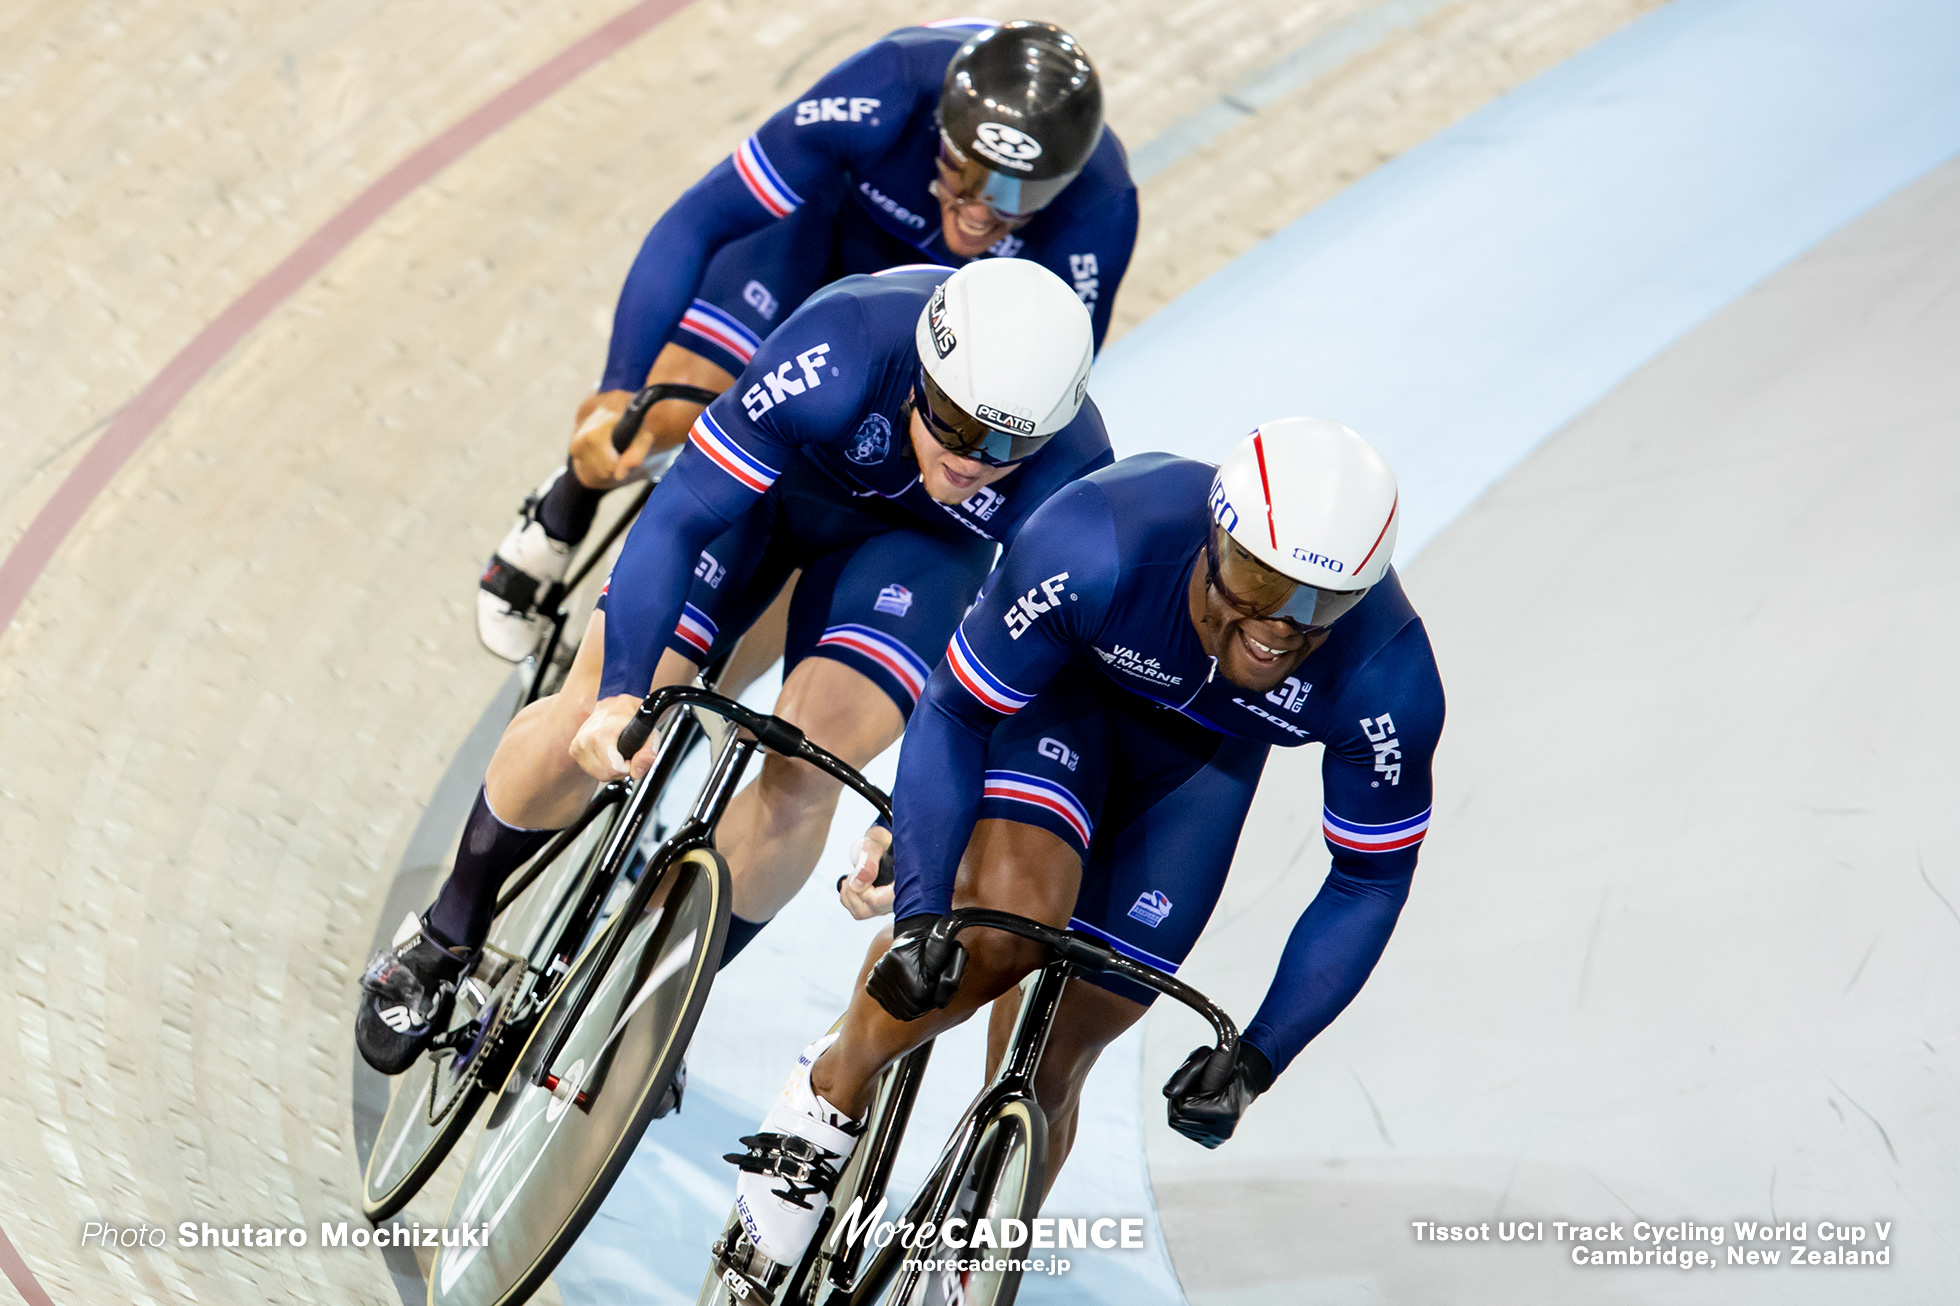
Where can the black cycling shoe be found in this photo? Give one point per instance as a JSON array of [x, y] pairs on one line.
[[406, 994]]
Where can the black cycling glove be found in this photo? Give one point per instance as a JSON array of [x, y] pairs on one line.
[[917, 974], [1212, 1089]]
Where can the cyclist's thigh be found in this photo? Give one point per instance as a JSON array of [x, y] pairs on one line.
[[1178, 799], [885, 606], [1049, 764], [754, 283]]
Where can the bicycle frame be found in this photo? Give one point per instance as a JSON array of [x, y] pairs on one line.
[[696, 831], [1071, 954]]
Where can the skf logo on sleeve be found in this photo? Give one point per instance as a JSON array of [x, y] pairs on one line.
[[943, 339], [894, 600], [1057, 751], [1381, 733], [1082, 271], [836, 108], [776, 386], [1030, 607], [1151, 908]]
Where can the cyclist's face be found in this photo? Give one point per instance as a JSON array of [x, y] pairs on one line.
[[971, 225], [1253, 653], [946, 476]]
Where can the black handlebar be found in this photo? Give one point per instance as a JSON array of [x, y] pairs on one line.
[[1092, 954], [772, 732], [642, 403]]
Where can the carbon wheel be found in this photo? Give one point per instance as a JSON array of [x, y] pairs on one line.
[[548, 1155], [432, 1103], [1004, 1182]]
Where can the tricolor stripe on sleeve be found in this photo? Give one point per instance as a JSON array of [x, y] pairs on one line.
[[696, 629], [1374, 838], [710, 439], [763, 181], [903, 664], [983, 684], [1020, 787], [717, 327]]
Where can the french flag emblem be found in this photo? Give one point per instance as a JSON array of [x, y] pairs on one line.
[[1151, 908]]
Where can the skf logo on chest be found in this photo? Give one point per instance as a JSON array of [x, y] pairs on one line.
[[1381, 733], [1290, 695], [943, 339], [776, 386], [1082, 270], [836, 108], [1030, 607]]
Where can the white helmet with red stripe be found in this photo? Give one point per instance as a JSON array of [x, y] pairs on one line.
[[1313, 501]]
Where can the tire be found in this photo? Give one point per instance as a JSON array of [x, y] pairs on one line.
[[545, 1163], [432, 1103], [1003, 1182]]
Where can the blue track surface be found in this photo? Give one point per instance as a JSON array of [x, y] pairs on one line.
[[1457, 307]]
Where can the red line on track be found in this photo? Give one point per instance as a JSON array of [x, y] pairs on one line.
[[142, 415], [20, 1276]]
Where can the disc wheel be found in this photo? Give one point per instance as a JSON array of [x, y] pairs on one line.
[[1004, 1182], [548, 1156], [431, 1104]]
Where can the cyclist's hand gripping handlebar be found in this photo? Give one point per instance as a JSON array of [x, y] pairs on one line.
[[1211, 1090], [920, 972], [635, 413]]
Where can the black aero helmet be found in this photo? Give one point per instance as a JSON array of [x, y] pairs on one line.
[[1023, 102]]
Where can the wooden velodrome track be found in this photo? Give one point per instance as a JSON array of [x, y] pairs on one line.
[[227, 691]]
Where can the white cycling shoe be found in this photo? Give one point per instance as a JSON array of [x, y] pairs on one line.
[[524, 566], [792, 1164]]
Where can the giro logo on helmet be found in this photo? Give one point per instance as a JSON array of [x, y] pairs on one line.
[[1222, 510], [1006, 421], [1010, 147], [1320, 560], [943, 339]]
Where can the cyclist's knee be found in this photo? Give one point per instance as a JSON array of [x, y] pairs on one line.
[[840, 708], [797, 784], [997, 961]]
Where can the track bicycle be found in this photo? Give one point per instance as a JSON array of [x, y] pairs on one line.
[[544, 918], [993, 1167], [567, 603], [580, 1038]]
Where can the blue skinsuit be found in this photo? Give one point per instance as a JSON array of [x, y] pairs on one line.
[[806, 462], [1076, 697], [834, 184]]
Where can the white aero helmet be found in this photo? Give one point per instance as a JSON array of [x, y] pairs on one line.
[[1004, 352], [1305, 513]]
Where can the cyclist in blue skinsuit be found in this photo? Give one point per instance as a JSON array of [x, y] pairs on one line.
[[1087, 753], [940, 143], [883, 441]]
